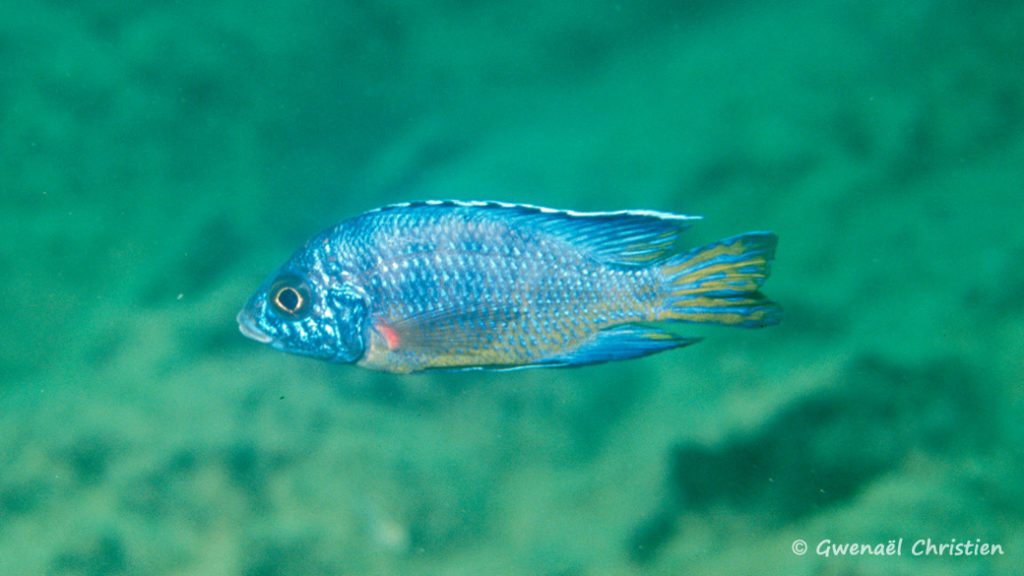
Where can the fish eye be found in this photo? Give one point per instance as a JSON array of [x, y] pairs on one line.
[[290, 297]]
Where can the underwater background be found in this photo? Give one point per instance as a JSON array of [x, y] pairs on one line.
[[158, 159]]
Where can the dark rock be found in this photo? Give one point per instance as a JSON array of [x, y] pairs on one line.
[[823, 449]]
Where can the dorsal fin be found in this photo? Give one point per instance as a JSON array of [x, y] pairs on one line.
[[628, 237]]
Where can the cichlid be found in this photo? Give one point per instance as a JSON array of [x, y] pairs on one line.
[[460, 285]]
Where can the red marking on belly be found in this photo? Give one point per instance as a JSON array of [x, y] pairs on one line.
[[389, 334]]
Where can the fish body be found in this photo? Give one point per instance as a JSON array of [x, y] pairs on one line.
[[461, 285]]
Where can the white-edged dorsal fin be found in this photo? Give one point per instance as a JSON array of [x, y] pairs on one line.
[[628, 237]]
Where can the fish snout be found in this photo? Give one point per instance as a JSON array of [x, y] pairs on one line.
[[247, 326]]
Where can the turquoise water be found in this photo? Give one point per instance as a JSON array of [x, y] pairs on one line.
[[159, 159]]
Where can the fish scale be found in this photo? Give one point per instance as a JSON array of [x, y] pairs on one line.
[[465, 285]]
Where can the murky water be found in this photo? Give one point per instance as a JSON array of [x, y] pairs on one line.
[[158, 161]]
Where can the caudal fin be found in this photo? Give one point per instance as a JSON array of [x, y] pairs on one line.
[[719, 283]]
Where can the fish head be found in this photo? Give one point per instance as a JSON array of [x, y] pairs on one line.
[[302, 310]]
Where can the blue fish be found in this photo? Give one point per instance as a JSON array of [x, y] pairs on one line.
[[466, 285]]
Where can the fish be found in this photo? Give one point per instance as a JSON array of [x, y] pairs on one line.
[[466, 285]]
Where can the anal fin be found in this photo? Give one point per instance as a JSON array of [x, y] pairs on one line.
[[620, 343]]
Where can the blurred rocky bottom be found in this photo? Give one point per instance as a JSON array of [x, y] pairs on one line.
[[821, 450]]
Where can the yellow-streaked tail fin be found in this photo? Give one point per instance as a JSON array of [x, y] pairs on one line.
[[720, 283]]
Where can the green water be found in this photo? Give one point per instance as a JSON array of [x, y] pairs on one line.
[[159, 159]]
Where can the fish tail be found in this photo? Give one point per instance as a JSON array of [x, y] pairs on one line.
[[720, 283]]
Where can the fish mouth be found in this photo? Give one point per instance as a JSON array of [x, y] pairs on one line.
[[247, 326]]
